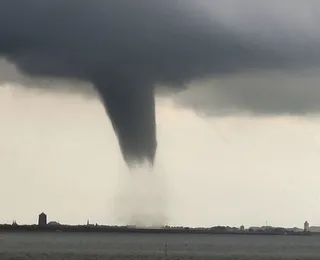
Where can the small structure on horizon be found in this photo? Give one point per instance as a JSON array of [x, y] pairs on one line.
[[42, 221], [242, 228], [14, 223], [306, 227], [53, 223], [89, 224]]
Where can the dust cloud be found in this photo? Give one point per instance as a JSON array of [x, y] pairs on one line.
[[142, 197]]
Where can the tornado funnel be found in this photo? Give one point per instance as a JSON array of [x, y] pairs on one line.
[[131, 110]]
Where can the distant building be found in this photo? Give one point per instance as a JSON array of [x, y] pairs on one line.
[[88, 223], [42, 221], [14, 223], [295, 229], [53, 223], [314, 229], [242, 228], [306, 226]]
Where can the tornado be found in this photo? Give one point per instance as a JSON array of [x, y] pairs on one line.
[[131, 110], [128, 50]]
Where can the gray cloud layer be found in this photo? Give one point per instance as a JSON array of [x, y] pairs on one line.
[[125, 48]]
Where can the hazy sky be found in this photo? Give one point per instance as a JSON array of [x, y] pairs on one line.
[[252, 68], [59, 154]]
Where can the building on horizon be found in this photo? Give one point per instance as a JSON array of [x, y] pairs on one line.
[[306, 227], [88, 223], [53, 223], [42, 221]]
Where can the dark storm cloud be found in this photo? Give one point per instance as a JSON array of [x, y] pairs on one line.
[[272, 93], [125, 48]]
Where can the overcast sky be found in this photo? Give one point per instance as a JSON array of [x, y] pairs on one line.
[[241, 146], [213, 171]]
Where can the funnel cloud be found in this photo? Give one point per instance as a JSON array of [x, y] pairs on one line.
[[128, 49]]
